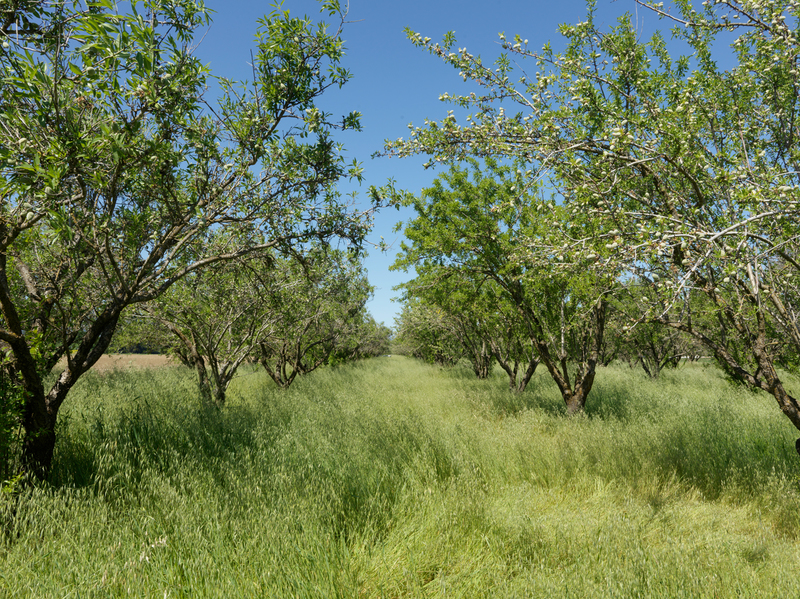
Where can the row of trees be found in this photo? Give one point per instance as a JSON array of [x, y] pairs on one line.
[[116, 172], [670, 176], [462, 303], [290, 314], [486, 333]]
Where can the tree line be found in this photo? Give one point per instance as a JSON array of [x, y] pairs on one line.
[[612, 189], [124, 191], [606, 187], [290, 315]]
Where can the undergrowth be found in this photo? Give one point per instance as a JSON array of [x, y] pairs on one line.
[[390, 478]]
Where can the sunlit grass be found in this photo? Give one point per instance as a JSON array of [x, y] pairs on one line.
[[390, 478]]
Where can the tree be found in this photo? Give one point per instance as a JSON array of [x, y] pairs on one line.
[[114, 168], [424, 332], [315, 307], [690, 170], [138, 334], [367, 339], [458, 297], [480, 316], [222, 316], [490, 227], [217, 317], [510, 343], [650, 345]]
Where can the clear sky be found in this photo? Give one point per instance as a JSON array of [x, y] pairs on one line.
[[395, 83]]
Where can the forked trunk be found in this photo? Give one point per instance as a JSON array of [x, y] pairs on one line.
[[482, 362], [222, 375], [576, 400], [520, 386], [39, 440], [41, 409], [576, 392], [219, 396], [509, 360]]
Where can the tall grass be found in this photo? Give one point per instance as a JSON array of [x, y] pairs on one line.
[[390, 478]]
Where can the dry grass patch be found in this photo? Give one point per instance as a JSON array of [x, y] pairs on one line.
[[109, 362]]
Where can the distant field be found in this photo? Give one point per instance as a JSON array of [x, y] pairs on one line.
[[390, 478], [124, 361]]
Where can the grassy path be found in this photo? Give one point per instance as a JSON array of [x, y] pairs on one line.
[[391, 478]]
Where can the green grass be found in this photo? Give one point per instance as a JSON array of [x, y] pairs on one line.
[[390, 478]]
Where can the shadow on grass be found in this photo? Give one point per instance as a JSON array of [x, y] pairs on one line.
[[302, 445]]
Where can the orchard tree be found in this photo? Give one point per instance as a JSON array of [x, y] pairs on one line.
[[229, 313], [315, 307], [487, 225], [113, 168], [480, 316], [511, 345], [689, 170], [367, 338], [424, 331], [459, 298], [217, 316], [653, 345]]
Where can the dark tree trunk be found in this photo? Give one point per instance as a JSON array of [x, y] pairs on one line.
[[482, 361], [222, 375], [219, 383], [203, 385], [576, 400], [278, 373], [575, 393], [511, 366], [41, 409], [39, 439]]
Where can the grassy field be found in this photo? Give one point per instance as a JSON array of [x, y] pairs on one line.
[[390, 478]]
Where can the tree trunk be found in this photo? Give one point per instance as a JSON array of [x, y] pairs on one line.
[[41, 409], [575, 404], [512, 370], [222, 377], [575, 396], [526, 378], [576, 400], [219, 395], [482, 361], [203, 384], [39, 439], [510, 358]]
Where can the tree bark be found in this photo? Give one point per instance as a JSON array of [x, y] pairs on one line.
[[481, 361], [41, 409], [575, 396], [39, 438], [203, 385]]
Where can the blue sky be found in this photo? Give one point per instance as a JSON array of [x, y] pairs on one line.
[[395, 84]]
